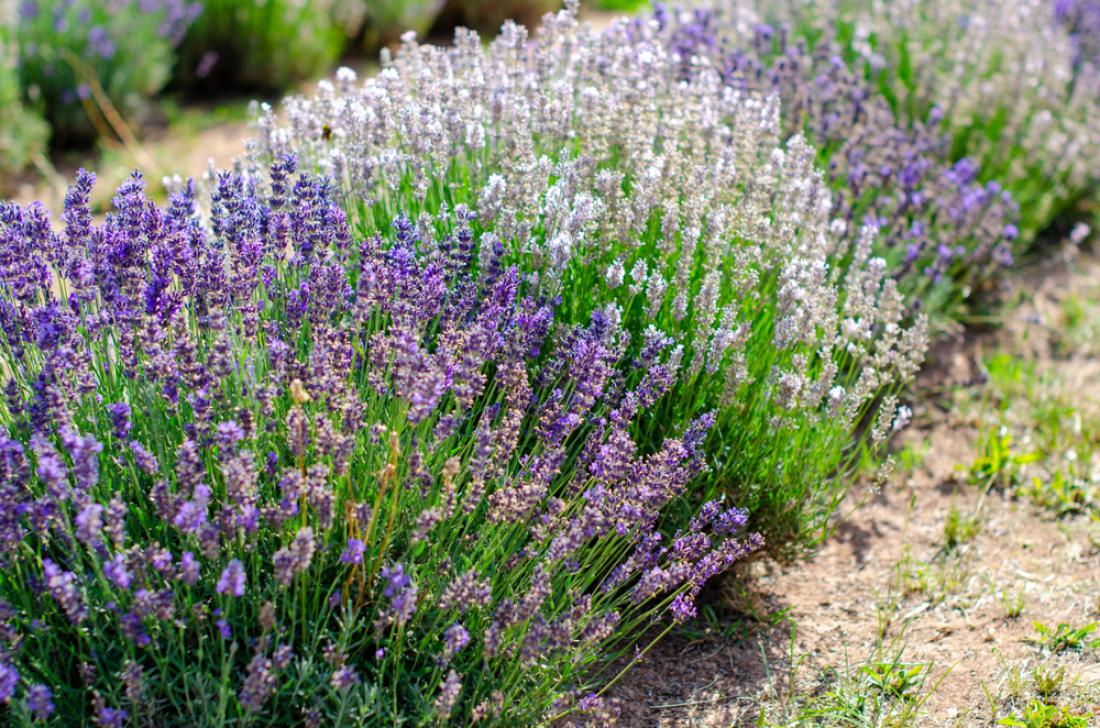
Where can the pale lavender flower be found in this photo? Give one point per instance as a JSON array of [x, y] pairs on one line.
[[344, 678], [232, 579], [449, 692]]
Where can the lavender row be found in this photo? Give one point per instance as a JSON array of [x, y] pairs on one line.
[[606, 175]]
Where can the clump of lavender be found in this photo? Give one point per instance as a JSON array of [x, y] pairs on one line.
[[78, 56], [258, 467], [1081, 18], [23, 133], [1008, 79], [942, 228], [671, 204], [266, 45]]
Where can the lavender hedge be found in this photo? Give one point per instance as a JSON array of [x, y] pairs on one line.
[[80, 62], [606, 176]]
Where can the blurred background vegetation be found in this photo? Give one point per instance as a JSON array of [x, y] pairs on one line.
[[119, 83]]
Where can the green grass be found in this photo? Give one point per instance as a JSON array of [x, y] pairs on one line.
[[959, 529], [1042, 715], [885, 691], [1054, 469], [1065, 637]]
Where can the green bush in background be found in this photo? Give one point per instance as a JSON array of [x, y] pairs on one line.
[[264, 45], [489, 16], [84, 62], [385, 20], [22, 132]]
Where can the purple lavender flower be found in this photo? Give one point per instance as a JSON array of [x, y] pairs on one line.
[[62, 586], [120, 419], [189, 568], [143, 458], [455, 638], [683, 608], [353, 554], [9, 679], [232, 579], [192, 515], [89, 523], [229, 434], [259, 683], [134, 628], [344, 678], [112, 717], [465, 592], [84, 451], [40, 701], [117, 571], [400, 590]]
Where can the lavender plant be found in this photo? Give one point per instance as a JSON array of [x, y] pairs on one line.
[[77, 57], [943, 232], [605, 176], [265, 45], [1005, 76], [262, 471], [23, 133], [1081, 18], [385, 20]]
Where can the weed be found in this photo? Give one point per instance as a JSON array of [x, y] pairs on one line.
[[1013, 604], [911, 457], [1040, 715], [959, 529], [1048, 681], [1065, 637], [896, 679], [998, 466]]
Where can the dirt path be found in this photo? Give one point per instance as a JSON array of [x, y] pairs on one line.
[[921, 610]]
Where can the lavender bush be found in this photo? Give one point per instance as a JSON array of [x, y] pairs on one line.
[[607, 177], [1081, 19], [264, 45], [385, 20], [264, 471], [23, 133], [1006, 77], [76, 55], [942, 230]]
